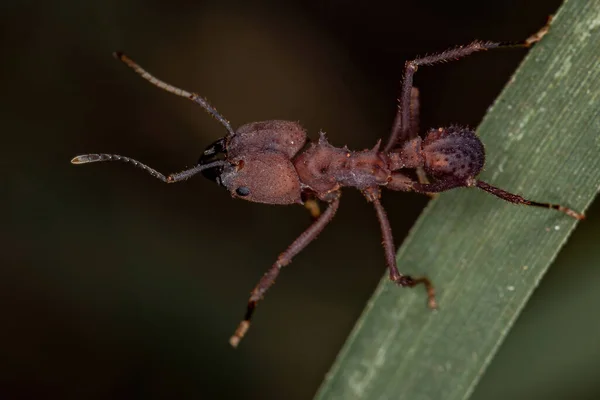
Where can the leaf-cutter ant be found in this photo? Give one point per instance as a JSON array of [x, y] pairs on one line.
[[271, 162]]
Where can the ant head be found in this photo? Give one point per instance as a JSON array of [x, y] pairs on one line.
[[259, 166], [256, 162], [262, 177]]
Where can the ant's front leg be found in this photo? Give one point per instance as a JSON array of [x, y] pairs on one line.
[[284, 259], [372, 195]]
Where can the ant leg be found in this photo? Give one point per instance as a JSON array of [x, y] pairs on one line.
[[414, 112], [172, 178], [516, 199], [390, 252], [438, 186], [442, 185], [404, 110], [413, 132], [284, 259], [409, 70]]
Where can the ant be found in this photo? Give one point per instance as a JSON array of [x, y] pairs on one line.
[[271, 162]]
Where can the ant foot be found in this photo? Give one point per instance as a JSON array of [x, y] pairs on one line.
[[408, 281]]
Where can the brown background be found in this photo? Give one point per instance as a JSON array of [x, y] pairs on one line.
[[114, 285]]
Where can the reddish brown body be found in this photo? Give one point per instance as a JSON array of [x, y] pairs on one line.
[[274, 167], [270, 162], [323, 168]]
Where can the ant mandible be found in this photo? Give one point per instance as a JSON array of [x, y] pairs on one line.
[[268, 162]]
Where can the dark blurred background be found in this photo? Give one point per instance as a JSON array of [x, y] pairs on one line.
[[115, 285]]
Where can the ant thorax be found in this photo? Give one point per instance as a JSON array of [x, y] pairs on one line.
[[323, 168]]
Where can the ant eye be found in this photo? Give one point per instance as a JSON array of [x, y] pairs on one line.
[[242, 191]]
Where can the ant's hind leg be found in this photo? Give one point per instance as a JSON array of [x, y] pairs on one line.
[[284, 259], [516, 199], [443, 185]]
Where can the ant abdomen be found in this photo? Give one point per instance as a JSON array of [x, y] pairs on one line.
[[453, 151]]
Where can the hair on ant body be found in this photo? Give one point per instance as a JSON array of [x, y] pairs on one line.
[[270, 162]]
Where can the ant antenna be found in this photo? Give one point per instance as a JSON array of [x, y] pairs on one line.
[[172, 178], [175, 90]]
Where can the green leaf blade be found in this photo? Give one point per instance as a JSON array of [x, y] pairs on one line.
[[486, 256]]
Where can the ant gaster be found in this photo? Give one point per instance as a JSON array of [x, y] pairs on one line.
[[270, 162]]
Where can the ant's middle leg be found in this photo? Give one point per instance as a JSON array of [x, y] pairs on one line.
[[372, 196], [284, 259]]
